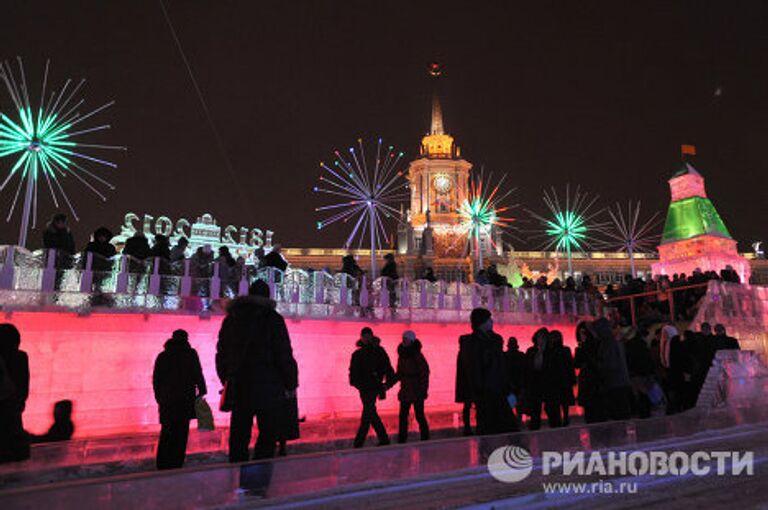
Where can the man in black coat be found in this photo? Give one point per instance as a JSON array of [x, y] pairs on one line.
[[481, 375], [137, 246], [369, 368], [103, 251], [641, 371], [390, 271], [101, 245], [723, 341], [516, 366], [177, 380], [14, 380], [255, 360], [544, 381], [57, 235], [564, 375], [275, 258]]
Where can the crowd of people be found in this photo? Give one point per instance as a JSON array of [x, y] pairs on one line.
[[662, 297], [58, 236], [618, 371], [652, 305]]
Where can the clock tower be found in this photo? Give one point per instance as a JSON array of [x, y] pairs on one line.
[[438, 184]]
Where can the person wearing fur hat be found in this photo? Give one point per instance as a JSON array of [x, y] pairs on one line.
[[57, 235], [100, 244], [103, 252], [413, 376], [177, 381], [371, 373], [481, 375], [254, 360]]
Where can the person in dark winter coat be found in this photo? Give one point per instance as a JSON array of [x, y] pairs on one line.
[[464, 394], [702, 353], [585, 359], [62, 428], [641, 371], [413, 376], [544, 381], [161, 248], [723, 341], [566, 374], [179, 252], [349, 266], [390, 267], [680, 373], [102, 251], [275, 259], [481, 375], [137, 247], [101, 246], [615, 386], [177, 380], [57, 235], [254, 359], [14, 377], [390, 271], [370, 371], [516, 366]]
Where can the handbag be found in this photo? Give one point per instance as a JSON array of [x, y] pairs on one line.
[[204, 415], [289, 419]]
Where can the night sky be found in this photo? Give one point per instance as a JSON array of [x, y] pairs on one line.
[[599, 94]]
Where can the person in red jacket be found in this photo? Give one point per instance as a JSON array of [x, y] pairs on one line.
[[413, 375]]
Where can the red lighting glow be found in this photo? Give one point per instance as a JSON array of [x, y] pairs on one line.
[[103, 362]]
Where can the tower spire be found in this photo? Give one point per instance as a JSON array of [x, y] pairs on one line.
[[437, 144], [437, 116], [436, 127]]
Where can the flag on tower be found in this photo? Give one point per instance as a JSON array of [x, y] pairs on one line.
[[688, 150]]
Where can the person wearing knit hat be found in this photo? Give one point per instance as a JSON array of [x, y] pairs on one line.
[[481, 377], [413, 376]]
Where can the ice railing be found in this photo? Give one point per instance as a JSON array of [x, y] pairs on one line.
[[727, 302], [89, 280], [742, 309]]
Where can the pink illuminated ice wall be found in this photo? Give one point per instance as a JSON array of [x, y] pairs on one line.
[[103, 362]]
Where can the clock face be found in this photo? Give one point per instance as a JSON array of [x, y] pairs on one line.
[[443, 183]]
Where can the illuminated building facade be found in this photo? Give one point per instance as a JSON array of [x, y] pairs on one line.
[[438, 183]]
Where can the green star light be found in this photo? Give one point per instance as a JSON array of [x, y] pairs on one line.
[[45, 142]]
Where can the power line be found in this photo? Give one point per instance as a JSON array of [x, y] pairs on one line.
[[206, 111]]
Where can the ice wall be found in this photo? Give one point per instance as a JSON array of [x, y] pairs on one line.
[[103, 362]]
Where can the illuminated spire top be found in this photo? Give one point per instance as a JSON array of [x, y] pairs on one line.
[[437, 116], [437, 112], [437, 144], [687, 181]]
